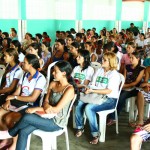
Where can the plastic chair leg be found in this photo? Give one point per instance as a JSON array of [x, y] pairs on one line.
[[28, 142], [116, 116], [127, 105], [48, 143], [73, 117], [147, 110], [67, 139], [102, 127], [132, 109]]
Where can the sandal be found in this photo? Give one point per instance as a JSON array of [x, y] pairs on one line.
[[135, 124], [95, 140], [132, 124], [79, 132], [111, 122]]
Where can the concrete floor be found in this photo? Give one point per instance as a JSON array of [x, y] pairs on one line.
[[113, 141]]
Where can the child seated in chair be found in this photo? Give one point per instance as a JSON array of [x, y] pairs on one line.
[[143, 95]]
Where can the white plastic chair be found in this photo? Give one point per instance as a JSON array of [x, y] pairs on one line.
[[147, 110], [49, 139], [2, 71], [49, 73], [103, 115], [132, 108], [95, 65]]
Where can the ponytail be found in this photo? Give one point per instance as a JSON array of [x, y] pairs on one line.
[[76, 89]]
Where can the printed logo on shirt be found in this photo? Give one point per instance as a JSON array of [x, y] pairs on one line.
[[25, 91], [8, 80], [79, 76], [102, 80]]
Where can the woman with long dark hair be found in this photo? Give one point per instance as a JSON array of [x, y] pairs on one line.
[[13, 73], [83, 72], [17, 45]]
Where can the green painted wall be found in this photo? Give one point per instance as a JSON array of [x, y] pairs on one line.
[[98, 24], [50, 26], [126, 24], [39, 26], [64, 25], [6, 24]]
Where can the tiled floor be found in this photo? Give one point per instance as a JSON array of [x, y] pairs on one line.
[[113, 141]]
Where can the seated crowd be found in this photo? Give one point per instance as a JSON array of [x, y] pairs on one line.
[[24, 80]]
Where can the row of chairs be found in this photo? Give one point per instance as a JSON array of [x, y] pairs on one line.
[[132, 109]]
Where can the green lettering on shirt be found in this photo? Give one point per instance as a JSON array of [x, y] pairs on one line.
[[79, 76], [102, 80]]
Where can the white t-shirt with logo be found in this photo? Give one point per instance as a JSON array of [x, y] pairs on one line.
[[110, 80], [28, 86], [15, 73], [82, 75]]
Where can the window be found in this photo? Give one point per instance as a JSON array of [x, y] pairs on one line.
[[40, 9], [66, 9], [132, 11], [9, 9], [99, 10]]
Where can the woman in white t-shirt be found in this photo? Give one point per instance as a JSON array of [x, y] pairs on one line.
[[93, 55], [105, 81], [141, 42], [13, 73], [83, 72]]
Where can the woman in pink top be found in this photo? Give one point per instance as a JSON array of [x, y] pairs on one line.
[[126, 57]]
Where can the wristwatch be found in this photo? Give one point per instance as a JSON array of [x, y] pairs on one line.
[[15, 97]]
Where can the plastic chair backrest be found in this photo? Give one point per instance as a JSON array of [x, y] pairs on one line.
[[49, 73], [120, 86], [95, 65], [71, 104], [2, 71]]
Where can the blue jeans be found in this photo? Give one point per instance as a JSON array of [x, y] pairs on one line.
[[90, 112], [29, 123]]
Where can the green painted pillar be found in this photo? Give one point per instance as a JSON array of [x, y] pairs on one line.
[[146, 16], [79, 7], [22, 19], [118, 9], [146, 10], [118, 14], [79, 10], [22, 9]]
